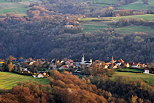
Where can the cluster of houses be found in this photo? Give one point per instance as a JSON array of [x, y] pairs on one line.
[[41, 67]]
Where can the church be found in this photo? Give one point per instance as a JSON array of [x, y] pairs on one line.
[[83, 62]]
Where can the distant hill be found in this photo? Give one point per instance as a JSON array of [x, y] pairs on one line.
[[57, 29]]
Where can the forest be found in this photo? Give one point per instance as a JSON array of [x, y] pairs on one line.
[[51, 37], [52, 30]]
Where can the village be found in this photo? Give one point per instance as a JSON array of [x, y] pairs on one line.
[[39, 68]]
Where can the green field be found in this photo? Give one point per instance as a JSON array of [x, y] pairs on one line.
[[131, 70], [93, 24], [103, 3], [5, 1], [89, 26], [8, 80], [138, 5], [148, 78], [133, 28], [14, 7], [146, 17]]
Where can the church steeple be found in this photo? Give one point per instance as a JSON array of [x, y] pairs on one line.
[[112, 60], [82, 60]]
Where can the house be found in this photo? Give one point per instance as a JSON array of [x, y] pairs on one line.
[[127, 65], [32, 62], [64, 67], [106, 66], [135, 65], [38, 76], [1, 64], [41, 75], [115, 66], [77, 71], [24, 70], [146, 71], [53, 66]]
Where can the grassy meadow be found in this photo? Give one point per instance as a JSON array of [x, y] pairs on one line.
[[94, 24], [7, 6], [133, 28], [146, 17], [9, 80], [148, 78], [138, 5]]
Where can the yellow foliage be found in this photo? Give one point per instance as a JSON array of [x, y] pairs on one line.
[[10, 66]]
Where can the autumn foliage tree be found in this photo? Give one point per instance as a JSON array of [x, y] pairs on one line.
[[10, 66], [68, 88], [27, 93]]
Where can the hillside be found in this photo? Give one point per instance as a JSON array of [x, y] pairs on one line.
[[135, 76], [58, 29], [9, 80]]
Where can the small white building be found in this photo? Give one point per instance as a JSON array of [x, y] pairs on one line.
[[38, 76], [147, 71]]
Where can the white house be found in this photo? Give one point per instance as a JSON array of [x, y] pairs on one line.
[[147, 71], [38, 76]]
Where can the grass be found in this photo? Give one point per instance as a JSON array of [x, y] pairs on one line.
[[133, 28], [103, 3], [9, 80], [148, 78], [138, 5], [93, 24], [14, 7], [18, 10], [131, 70], [146, 17], [106, 1], [6, 1], [89, 26]]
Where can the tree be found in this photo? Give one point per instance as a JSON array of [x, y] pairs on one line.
[[10, 67], [21, 58], [134, 99]]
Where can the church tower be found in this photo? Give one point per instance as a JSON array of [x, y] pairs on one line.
[[82, 60]]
